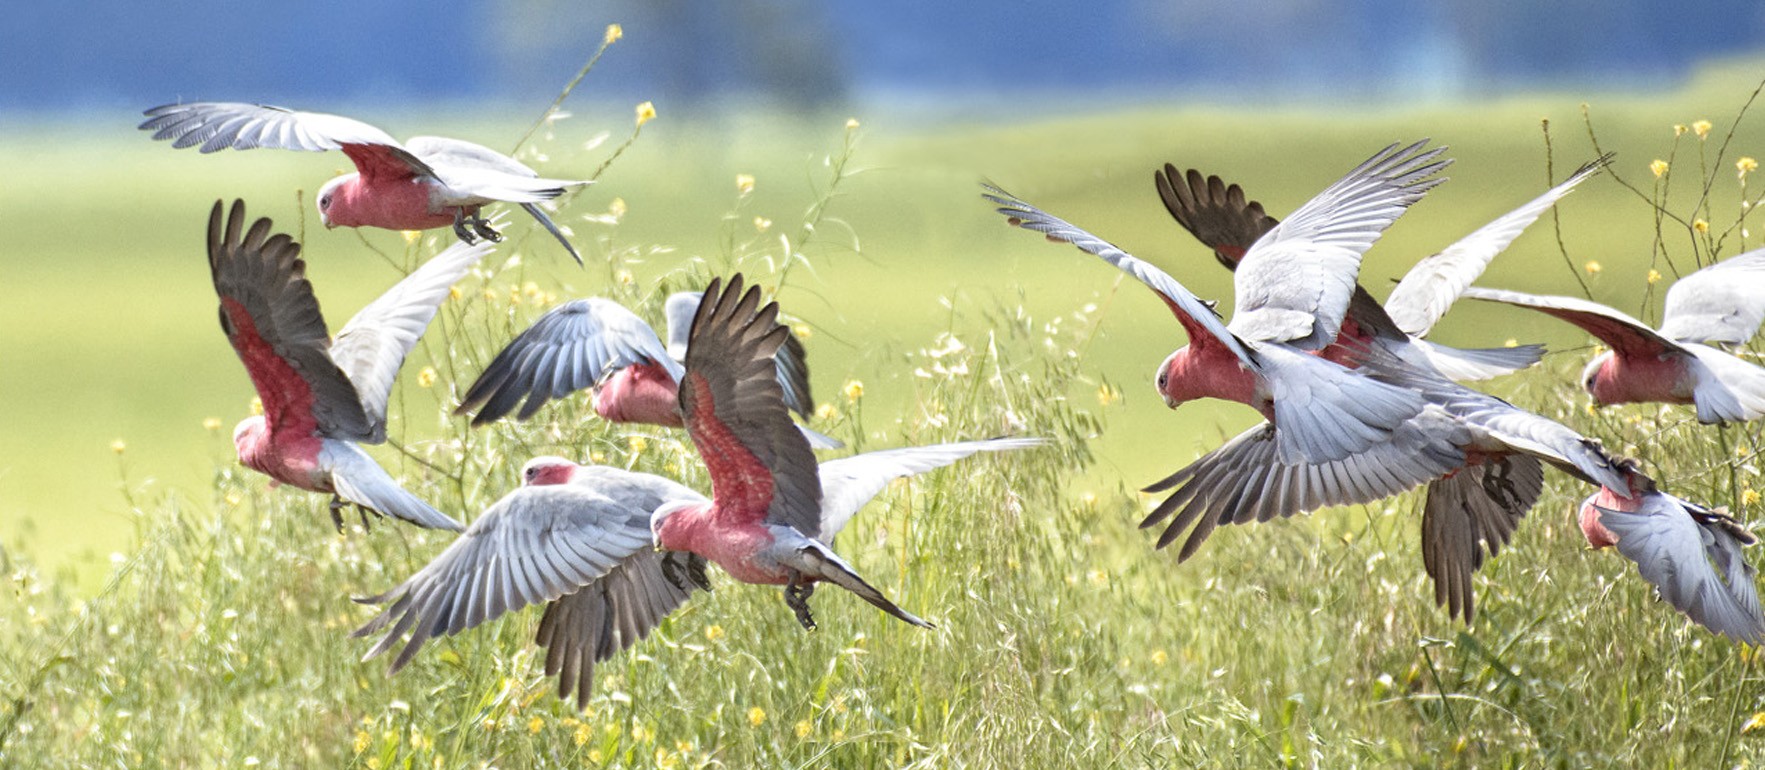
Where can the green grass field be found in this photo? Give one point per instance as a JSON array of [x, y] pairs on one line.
[[217, 634]]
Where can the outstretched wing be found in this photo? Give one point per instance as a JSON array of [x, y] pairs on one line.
[[1469, 515], [1247, 479], [213, 126], [1428, 290], [536, 544], [792, 359], [1625, 335], [734, 411], [850, 482], [1692, 556], [570, 348], [613, 613], [272, 319], [373, 345], [1198, 318], [1722, 303], [1295, 283], [1215, 213]]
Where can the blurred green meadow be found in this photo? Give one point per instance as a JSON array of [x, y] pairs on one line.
[[1063, 638]]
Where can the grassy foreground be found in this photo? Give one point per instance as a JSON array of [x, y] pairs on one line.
[[221, 636]]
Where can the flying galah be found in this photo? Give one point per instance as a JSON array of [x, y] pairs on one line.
[[1377, 439], [321, 396], [598, 344], [1722, 304], [427, 182], [1690, 553], [1221, 218], [587, 549]]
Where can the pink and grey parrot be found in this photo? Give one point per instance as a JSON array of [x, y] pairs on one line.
[[584, 538], [321, 397], [1679, 363], [598, 344], [426, 182]]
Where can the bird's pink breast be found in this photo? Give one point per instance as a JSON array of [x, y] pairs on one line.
[[391, 203], [643, 393], [1596, 533], [1645, 379], [732, 547]]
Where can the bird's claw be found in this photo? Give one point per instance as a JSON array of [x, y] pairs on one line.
[[337, 505], [671, 571], [796, 596], [484, 230]]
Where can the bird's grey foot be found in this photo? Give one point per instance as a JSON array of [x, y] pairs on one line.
[[1499, 487], [796, 596], [337, 514], [364, 512], [464, 233], [482, 226]]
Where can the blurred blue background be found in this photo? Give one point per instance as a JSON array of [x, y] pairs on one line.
[[109, 54]]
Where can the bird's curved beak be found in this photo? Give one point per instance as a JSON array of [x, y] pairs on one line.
[[326, 221], [1168, 401]]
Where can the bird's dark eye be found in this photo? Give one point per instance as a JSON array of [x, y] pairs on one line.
[[325, 203], [1163, 377], [532, 473]]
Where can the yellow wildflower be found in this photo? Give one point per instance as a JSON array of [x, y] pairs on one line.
[[257, 405], [361, 741], [211, 424], [1592, 267], [1678, 129], [594, 756], [744, 183], [617, 208], [756, 716], [1749, 496], [489, 724], [826, 412], [534, 725], [804, 729], [1159, 657], [454, 293], [1107, 395], [625, 278], [1755, 723], [714, 633], [1510, 343], [1654, 276], [411, 236], [614, 32], [118, 446], [851, 123], [1658, 167], [1746, 165], [1701, 128], [854, 390], [762, 224], [1700, 225], [646, 112], [637, 444], [803, 331], [583, 733], [426, 378]]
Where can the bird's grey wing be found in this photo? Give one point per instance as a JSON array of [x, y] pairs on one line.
[[1727, 387], [1624, 334], [1197, 317], [372, 346], [1722, 303], [1469, 516], [1295, 283], [535, 545], [848, 483], [212, 126], [272, 319], [613, 613], [1247, 480], [678, 311], [1469, 364], [645, 491], [1430, 288], [1324, 412], [568, 349], [1694, 562], [1215, 213], [360, 480], [735, 413], [459, 153], [473, 169]]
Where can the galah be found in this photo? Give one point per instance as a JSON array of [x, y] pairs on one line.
[[321, 397], [1722, 304], [1373, 439], [1221, 218], [424, 183], [598, 344], [580, 537], [1691, 554]]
